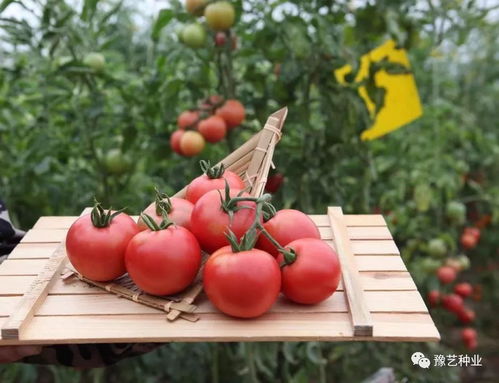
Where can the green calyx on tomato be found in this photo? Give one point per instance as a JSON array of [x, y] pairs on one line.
[[101, 218], [263, 208], [213, 172], [151, 223], [246, 243], [162, 202]]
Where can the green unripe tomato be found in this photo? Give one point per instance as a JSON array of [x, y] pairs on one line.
[[195, 7], [429, 265], [116, 162], [220, 15], [95, 60], [464, 261], [193, 35], [422, 197], [437, 247], [456, 212]]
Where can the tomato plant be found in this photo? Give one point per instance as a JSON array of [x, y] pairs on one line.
[[175, 141], [446, 274], [188, 118], [213, 129], [233, 112], [274, 183], [191, 143]]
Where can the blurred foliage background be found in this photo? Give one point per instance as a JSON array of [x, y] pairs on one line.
[[70, 130]]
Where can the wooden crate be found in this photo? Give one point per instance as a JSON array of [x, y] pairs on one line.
[[376, 292]]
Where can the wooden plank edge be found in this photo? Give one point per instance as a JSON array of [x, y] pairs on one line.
[[361, 317], [33, 298]]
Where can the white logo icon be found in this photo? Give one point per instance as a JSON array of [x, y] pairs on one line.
[[421, 360]]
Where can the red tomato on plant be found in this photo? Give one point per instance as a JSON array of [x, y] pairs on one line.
[[463, 289], [242, 284], [468, 241], [163, 261], [175, 141], [191, 143], [187, 118], [446, 274], [232, 112], [210, 221], [178, 209], [453, 303], [468, 336], [220, 39], [474, 231], [434, 298], [286, 226], [96, 243], [466, 315], [274, 183], [311, 272], [213, 129], [213, 179]]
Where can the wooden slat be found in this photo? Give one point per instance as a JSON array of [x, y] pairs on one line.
[[33, 251], [63, 222], [379, 263], [33, 298], [404, 327], [22, 266], [15, 285], [109, 304], [374, 247], [386, 280], [360, 232], [370, 280], [351, 220], [44, 236], [220, 328], [7, 304], [359, 311]]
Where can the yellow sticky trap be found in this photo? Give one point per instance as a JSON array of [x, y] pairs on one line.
[[401, 105]]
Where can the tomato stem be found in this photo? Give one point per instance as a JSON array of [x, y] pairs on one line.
[[100, 218], [153, 225], [213, 172], [162, 202]]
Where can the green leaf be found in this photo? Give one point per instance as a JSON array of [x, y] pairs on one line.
[[5, 3], [88, 11], [164, 18]]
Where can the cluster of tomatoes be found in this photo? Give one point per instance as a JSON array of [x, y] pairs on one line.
[[453, 301], [211, 122], [219, 17], [255, 251]]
